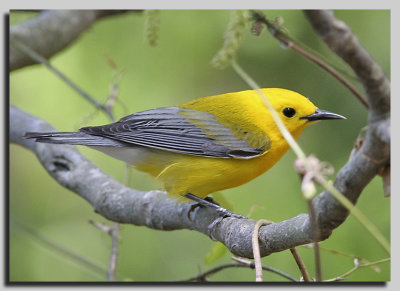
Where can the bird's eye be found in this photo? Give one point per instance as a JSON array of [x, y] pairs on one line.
[[289, 112]]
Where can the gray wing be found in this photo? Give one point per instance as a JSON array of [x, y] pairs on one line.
[[174, 129]]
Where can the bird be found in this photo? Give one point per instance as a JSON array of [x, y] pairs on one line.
[[202, 146]]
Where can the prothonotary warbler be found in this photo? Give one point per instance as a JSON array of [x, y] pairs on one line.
[[202, 146]]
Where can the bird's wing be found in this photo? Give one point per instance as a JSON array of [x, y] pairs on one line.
[[179, 130]]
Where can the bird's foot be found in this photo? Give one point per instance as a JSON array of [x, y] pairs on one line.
[[200, 203], [209, 202]]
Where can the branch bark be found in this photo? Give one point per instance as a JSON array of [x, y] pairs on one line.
[[51, 32], [375, 151]]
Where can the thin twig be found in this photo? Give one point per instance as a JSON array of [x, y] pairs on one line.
[[203, 276], [88, 264], [356, 266], [336, 252], [277, 32], [256, 248], [113, 233], [41, 60], [308, 175], [315, 235], [112, 96], [265, 268], [112, 264], [300, 264]]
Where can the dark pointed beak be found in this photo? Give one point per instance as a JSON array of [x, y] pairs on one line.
[[322, 115]]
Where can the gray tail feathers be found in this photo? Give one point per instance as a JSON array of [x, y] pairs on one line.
[[72, 138]]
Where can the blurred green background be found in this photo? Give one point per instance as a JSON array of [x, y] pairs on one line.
[[175, 71]]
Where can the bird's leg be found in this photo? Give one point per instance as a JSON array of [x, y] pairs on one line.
[[198, 204], [210, 199], [209, 202]]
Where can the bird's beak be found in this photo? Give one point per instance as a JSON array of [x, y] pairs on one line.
[[322, 115]]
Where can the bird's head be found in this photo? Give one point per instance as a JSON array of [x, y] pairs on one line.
[[295, 110]]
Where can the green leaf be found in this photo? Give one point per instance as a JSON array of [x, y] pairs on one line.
[[217, 251]]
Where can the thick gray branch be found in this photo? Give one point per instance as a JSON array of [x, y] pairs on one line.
[[375, 151], [51, 32], [153, 209]]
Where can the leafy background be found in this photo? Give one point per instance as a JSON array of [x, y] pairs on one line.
[[175, 71]]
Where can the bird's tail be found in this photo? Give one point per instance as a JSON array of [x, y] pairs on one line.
[[72, 138]]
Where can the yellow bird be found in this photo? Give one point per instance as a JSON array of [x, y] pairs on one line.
[[202, 146]]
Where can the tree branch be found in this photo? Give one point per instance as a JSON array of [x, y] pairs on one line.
[[112, 231], [203, 277], [51, 32], [155, 210], [374, 153]]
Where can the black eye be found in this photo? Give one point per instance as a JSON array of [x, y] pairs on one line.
[[289, 112]]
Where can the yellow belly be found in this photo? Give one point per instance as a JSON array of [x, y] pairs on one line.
[[181, 174]]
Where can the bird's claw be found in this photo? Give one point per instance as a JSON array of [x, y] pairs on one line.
[[223, 213], [209, 202]]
